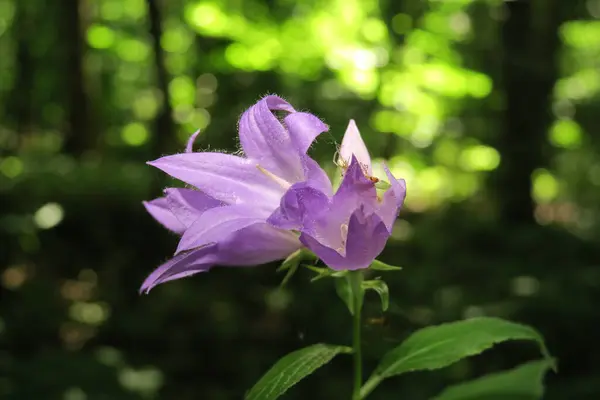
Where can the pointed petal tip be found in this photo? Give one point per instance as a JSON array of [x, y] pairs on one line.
[[148, 205], [159, 162], [354, 145], [189, 148], [146, 287]]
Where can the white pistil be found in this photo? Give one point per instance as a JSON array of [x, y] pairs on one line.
[[280, 181]]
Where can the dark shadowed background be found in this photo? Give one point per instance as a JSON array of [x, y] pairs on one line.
[[488, 109]]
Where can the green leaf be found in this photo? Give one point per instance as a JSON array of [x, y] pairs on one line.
[[439, 346], [382, 290], [525, 382], [344, 291], [292, 368], [381, 266]]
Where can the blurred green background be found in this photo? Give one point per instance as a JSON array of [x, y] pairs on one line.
[[489, 109]]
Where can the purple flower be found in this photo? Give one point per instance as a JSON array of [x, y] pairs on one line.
[[349, 229], [222, 221]]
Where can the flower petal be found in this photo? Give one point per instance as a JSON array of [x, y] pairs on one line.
[[393, 199], [398, 192], [330, 225], [189, 148], [188, 204], [304, 128], [355, 189], [180, 266], [216, 224], [367, 236], [315, 176], [353, 145], [300, 207], [159, 209], [265, 140], [254, 245], [257, 244], [228, 178]]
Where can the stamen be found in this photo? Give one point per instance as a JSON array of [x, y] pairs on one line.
[[339, 161], [344, 231], [280, 181]]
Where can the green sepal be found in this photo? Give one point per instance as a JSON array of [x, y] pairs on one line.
[[377, 265], [323, 272], [292, 262], [382, 290]]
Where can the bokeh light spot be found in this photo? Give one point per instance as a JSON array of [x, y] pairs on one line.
[[479, 85], [112, 10], [11, 167], [48, 216], [135, 134], [100, 36], [207, 17], [401, 23], [14, 277], [146, 381], [182, 90], [145, 106], [89, 313], [479, 158], [74, 393], [177, 40], [133, 50], [545, 186], [565, 133], [374, 30]]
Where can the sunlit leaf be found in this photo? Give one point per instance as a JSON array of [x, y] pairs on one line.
[[442, 345], [292, 368], [525, 382]]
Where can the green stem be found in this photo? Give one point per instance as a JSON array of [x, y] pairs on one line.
[[357, 356], [370, 384], [355, 279]]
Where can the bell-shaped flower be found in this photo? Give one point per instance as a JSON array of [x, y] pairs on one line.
[[222, 219], [349, 229]]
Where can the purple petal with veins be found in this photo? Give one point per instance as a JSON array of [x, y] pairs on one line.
[[159, 209], [223, 222]]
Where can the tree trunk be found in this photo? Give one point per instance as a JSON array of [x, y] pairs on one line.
[[529, 67], [164, 131], [21, 102], [77, 137]]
